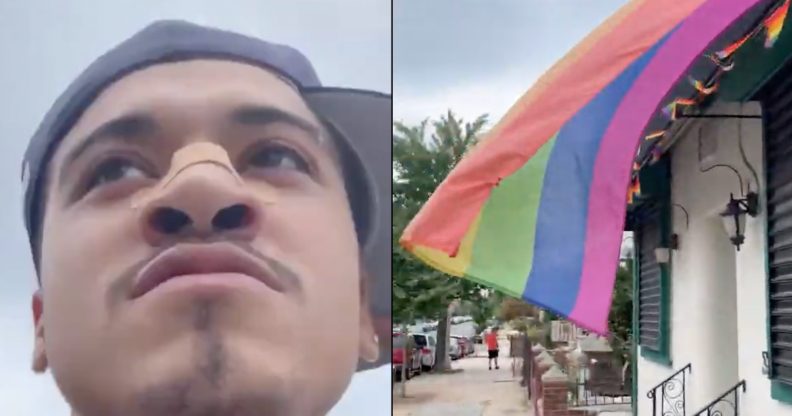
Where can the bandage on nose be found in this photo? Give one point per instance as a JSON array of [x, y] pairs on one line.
[[199, 153], [194, 155]]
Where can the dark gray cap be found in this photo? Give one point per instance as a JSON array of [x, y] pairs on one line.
[[359, 120]]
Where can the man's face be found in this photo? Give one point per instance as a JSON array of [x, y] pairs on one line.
[[269, 315]]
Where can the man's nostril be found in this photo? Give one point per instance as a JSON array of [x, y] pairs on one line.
[[169, 220], [232, 217]]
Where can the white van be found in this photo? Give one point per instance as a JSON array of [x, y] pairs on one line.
[[427, 345]]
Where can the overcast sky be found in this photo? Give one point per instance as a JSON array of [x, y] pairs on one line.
[[480, 56], [45, 44]]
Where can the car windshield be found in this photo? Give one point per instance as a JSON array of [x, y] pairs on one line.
[[420, 340]]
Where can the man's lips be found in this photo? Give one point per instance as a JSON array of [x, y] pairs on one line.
[[184, 260]]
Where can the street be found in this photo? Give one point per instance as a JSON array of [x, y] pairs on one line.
[[473, 391]]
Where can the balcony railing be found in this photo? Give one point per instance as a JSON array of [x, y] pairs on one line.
[[728, 404], [671, 398]]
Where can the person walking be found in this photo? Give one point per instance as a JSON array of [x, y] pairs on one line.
[[492, 347]]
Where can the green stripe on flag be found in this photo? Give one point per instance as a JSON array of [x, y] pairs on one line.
[[504, 245]]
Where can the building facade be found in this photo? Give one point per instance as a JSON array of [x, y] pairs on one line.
[[713, 321]]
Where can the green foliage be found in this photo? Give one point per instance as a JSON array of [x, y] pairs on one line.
[[480, 309], [620, 318], [485, 309], [419, 166], [512, 308], [536, 333]]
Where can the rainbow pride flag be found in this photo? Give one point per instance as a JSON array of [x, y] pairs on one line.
[[537, 209]]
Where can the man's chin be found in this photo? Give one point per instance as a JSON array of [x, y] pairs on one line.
[[190, 394], [216, 377], [194, 396]]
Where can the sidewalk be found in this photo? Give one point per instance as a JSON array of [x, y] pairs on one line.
[[474, 391]]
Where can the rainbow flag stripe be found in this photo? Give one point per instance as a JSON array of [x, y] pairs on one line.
[[775, 23], [537, 209]]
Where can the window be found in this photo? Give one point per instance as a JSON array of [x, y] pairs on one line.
[[420, 340], [651, 222]]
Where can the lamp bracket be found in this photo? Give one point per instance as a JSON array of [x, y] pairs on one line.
[[751, 204]]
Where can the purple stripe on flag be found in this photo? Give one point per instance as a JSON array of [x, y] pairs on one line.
[[614, 159]]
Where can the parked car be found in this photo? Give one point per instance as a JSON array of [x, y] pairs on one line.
[[471, 349], [462, 347], [465, 345], [426, 346], [397, 358], [471, 346], [454, 350]]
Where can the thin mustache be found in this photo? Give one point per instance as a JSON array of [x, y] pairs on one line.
[[282, 270]]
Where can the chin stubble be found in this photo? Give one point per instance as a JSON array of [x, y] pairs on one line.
[[211, 362], [198, 394]]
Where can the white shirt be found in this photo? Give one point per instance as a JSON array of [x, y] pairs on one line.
[[369, 394]]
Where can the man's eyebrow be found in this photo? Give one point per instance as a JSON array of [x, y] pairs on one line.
[[255, 115], [134, 125], [124, 127]]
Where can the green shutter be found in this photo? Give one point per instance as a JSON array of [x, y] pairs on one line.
[[651, 222], [776, 98]]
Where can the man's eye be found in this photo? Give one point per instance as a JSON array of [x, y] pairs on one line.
[[114, 169], [278, 157]]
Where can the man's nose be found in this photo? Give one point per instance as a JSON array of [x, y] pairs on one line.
[[201, 201]]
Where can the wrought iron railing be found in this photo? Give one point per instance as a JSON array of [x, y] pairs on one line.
[[672, 394], [728, 404], [597, 384], [529, 379]]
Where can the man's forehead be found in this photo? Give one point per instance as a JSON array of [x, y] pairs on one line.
[[208, 89], [192, 85], [197, 82]]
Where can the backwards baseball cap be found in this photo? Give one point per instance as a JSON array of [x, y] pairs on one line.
[[358, 120]]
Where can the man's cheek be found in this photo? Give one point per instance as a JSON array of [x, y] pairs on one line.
[[72, 267]]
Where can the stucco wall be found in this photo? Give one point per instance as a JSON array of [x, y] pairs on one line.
[[718, 304]]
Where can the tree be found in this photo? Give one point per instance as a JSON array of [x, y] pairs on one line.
[[419, 166], [620, 317], [481, 311], [512, 308]]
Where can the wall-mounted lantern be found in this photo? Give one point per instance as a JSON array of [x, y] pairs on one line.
[[765, 363], [663, 255], [734, 216]]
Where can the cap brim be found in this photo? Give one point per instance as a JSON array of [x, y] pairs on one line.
[[364, 118]]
